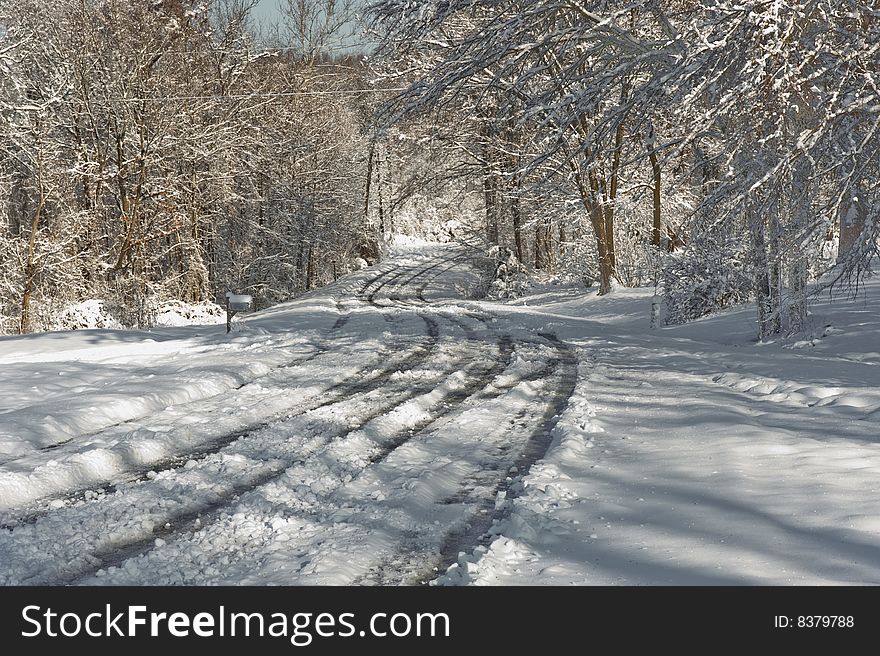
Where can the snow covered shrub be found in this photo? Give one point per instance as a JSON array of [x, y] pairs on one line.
[[87, 314], [707, 276], [180, 313], [509, 279], [577, 260]]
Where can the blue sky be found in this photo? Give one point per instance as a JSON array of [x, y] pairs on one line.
[[266, 10]]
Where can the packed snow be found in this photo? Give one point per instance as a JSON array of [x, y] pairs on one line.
[[397, 428]]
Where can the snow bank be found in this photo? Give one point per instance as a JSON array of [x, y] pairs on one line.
[[178, 313], [87, 314], [94, 314]]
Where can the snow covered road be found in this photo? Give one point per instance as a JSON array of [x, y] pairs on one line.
[[395, 429], [369, 447]]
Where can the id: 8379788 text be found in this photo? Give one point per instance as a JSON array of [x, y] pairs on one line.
[[814, 622]]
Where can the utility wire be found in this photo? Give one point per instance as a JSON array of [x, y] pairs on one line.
[[241, 96], [247, 96]]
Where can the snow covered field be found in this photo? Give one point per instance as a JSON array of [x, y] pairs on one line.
[[373, 431]]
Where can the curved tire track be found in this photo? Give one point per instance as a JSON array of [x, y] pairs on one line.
[[484, 380], [480, 378], [362, 383]]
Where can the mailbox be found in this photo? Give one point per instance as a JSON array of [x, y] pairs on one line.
[[236, 303], [239, 302]]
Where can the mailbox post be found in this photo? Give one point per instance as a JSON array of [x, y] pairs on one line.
[[236, 303]]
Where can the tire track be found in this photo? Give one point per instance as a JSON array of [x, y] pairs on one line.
[[475, 531], [417, 564], [330, 396], [319, 349], [487, 355], [205, 514], [564, 365], [481, 376]]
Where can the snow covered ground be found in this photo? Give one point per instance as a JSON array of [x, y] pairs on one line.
[[393, 428], [694, 455]]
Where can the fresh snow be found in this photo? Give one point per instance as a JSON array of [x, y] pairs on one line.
[[393, 428], [693, 455]]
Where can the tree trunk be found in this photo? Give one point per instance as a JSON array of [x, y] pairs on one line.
[[799, 215], [491, 183], [370, 158], [30, 266], [763, 295], [602, 218], [310, 268], [606, 264], [563, 241], [380, 197], [590, 201], [775, 270], [655, 168], [611, 200], [797, 281], [368, 248], [516, 215], [490, 194], [544, 246], [853, 216]]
